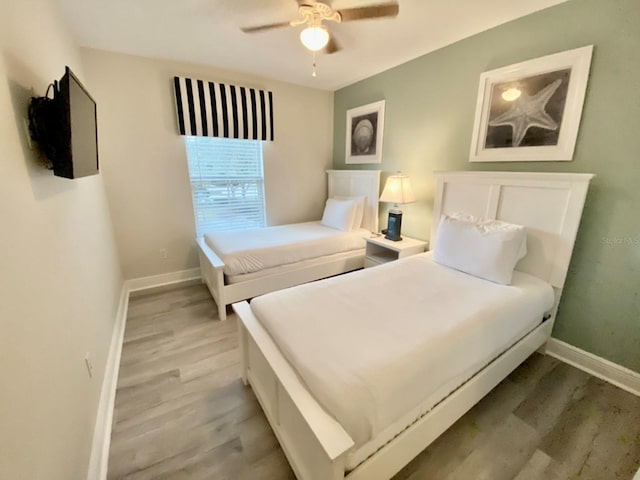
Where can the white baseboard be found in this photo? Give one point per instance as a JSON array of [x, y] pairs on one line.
[[163, 279], [99, 460], [598, 367], [102, 431]]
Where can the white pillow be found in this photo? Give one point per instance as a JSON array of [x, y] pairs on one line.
[[493, 225], [359, 216], [487, 249], [339, 214]]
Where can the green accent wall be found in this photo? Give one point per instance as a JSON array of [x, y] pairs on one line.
[[430, 106]]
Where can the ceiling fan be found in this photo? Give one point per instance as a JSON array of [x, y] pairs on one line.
[[315, 35]]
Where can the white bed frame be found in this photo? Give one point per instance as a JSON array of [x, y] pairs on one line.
[[340, 182], [548, 204]]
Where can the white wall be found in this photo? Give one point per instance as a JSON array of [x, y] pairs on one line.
[[145, 166], [60, 278]]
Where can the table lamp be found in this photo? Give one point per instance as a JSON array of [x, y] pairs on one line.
[[397, 190]]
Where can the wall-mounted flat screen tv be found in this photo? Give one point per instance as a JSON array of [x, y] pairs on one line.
[[65, 128]]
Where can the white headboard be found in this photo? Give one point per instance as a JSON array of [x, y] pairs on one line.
[[548, 204], [356, 183]]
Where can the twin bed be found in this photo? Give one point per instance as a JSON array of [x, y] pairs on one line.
[[359, 373], [241, 265]]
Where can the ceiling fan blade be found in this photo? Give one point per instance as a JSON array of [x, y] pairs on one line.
[[261, 28], [374, 11], [332, 46]]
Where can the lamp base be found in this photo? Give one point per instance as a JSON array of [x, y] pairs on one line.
[[394, 225]]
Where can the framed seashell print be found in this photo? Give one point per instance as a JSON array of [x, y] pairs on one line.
[[365, 127], [531, 111]]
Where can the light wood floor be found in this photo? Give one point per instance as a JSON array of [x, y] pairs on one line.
[[182, 412]]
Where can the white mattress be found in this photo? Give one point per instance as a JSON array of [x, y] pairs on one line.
[[249, 251], [304, 264], [357, 456], [375, 346]]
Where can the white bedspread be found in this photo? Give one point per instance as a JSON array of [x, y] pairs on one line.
[[374, 344], [253, 250]]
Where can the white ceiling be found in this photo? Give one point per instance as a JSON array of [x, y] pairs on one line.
[[208, 32]]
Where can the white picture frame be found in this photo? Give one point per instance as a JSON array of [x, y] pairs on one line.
[[551, 88], [365, 130]]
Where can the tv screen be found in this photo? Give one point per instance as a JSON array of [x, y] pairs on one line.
[[65, 128], [79, 129]]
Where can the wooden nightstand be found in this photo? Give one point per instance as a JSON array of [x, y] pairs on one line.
[[379, 250]]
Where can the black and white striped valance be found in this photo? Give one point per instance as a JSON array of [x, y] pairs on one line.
[[209, 109]]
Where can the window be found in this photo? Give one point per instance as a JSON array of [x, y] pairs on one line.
[[227, 183]]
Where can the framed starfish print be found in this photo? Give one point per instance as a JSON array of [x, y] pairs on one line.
[[531, 111]]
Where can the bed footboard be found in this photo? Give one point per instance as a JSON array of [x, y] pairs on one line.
[[315, 444], [211, 268]]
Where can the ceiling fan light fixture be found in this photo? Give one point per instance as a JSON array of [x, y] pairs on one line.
[[314, 37]]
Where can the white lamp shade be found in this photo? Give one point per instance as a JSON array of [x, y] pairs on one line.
[[314, 38], [398, 190]]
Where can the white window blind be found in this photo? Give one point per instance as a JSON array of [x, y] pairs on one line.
[[227, 183]]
